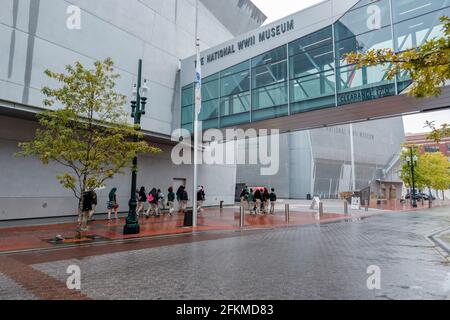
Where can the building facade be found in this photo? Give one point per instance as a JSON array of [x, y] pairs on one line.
[[36, 35], [292, 74]]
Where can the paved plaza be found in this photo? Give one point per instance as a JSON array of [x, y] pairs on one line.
[[319, 261]]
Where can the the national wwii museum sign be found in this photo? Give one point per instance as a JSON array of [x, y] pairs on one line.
[[249, 42]]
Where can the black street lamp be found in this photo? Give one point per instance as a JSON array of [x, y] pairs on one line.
[[412, 161], [138, 103]]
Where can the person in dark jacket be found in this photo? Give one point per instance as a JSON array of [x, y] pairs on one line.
[[265, 201], [87, 202], [201, 196], [142, 199], [179, 194], [258, 201], [184, 200], [171, 200], [273, 201]]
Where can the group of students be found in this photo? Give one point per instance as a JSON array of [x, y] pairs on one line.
[[259, 201], [155, 198], [157, 201]]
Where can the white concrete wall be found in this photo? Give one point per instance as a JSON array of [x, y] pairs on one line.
[[34, 37], [28, 189]]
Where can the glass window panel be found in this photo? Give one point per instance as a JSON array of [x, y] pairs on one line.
[[415, 32], [187, 95], [351, 79], [210, 124], [234, 119], [270, 96], [321, 84], [312, 41], [270, 113], [211, 78], [235, 83], [313, 61], [407, 9], [270, 73], [271, 56], [210, 110], [363, 20], [235, 104], [380, 39], [210, 90], [187, 114], [236, 69]]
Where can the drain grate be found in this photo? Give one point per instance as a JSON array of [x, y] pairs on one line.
[[76, 240]]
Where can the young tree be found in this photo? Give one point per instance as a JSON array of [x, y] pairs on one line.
[[428, 65], [88, 132], [434, 170]]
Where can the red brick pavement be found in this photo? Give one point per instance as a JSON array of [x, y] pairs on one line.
[[37, 237]]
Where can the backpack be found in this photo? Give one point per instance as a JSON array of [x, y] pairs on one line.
[[150, 198]]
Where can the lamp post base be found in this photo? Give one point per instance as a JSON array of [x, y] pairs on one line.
[[132, 223], [132, 228]]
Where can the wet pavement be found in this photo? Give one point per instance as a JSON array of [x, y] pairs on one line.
[[319, 261]]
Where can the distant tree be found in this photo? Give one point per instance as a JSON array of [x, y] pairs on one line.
[[438, 134], [433, 168], [428, 65], [89, 135]]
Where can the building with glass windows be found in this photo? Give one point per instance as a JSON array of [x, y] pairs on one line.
[[292, 74], [36, 35]]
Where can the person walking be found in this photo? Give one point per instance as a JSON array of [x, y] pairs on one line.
[[87, 201], [258, 201], [184, 200], [171, 200], [244, 198], [200, 198], [179, 194], [265, 201], [161, 200], [142, 199], [273, 201], [153, 201], [251, 201], [112, 204], [94, 206]]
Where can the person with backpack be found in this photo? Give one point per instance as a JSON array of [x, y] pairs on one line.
[[273, 201], [113, 204], [161, 200], [153, 201], [142, 199], [171, 200], [244, 198]]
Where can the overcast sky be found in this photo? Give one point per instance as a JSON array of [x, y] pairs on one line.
[[277, 9]]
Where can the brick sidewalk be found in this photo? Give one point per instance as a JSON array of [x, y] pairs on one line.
[[40, 237]]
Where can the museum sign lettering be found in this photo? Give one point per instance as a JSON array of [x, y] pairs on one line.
[[262, 36]]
